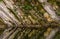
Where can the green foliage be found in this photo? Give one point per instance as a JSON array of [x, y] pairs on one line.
[[1, 0], [1, 31], [57, 36], [27, 7]]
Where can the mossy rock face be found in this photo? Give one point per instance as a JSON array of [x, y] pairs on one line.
[[27, 19]]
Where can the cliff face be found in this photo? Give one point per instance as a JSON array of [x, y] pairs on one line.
[[29, 19]]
